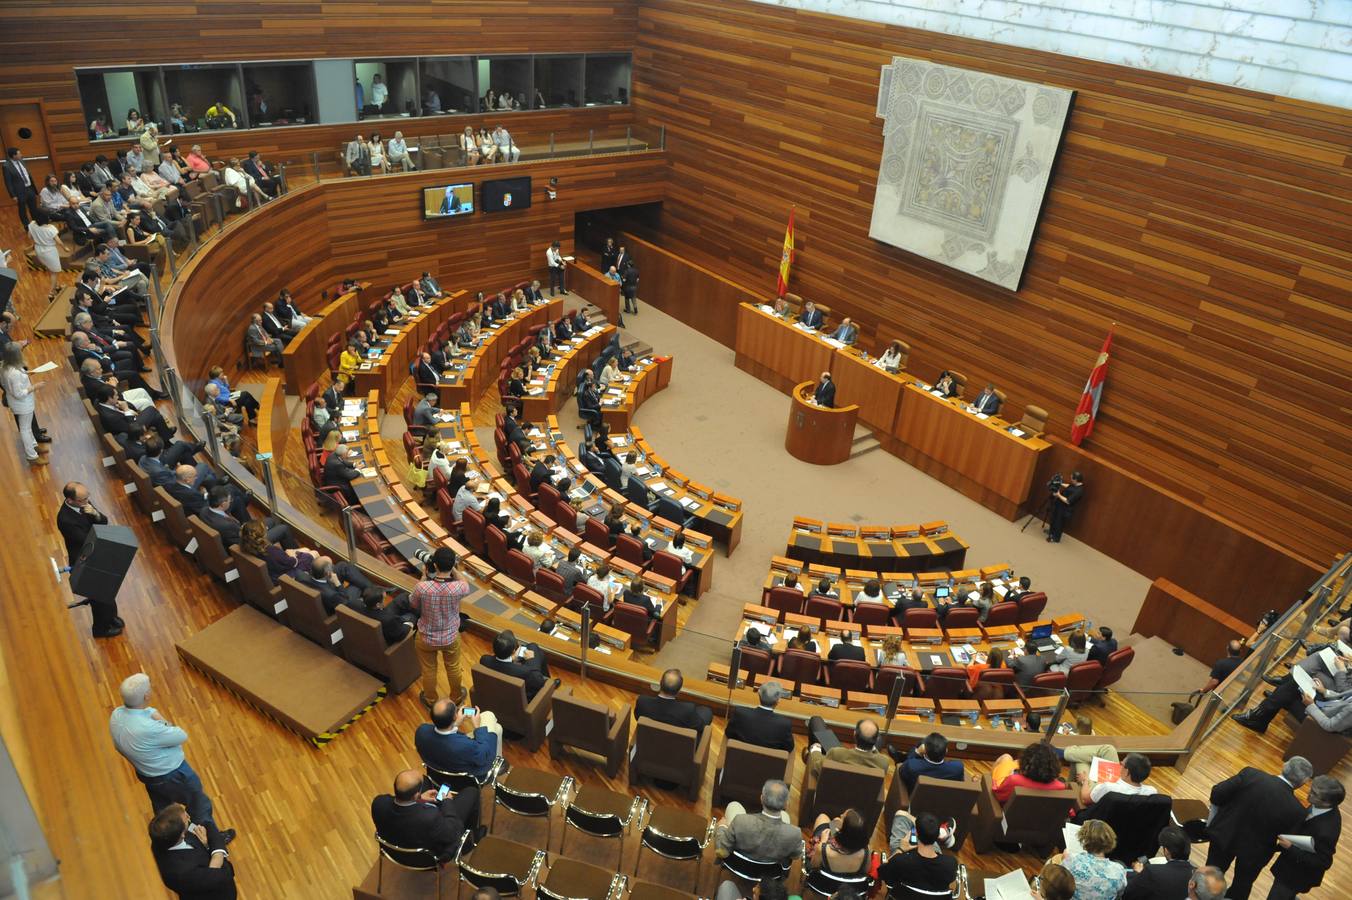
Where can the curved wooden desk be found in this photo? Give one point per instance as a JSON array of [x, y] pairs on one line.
[[818, 435]]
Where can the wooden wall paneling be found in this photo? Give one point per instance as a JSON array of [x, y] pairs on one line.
[[1213, 225], [304, 358], [45, 42], [696, 295]]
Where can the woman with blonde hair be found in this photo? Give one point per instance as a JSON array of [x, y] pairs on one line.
[[469, 145], [1096, 876], [516, 384], [892, 653]]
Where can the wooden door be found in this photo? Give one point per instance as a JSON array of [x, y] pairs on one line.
[[23, 124]]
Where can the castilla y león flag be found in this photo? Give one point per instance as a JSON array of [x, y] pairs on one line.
[[1087, 412], [786, 260]]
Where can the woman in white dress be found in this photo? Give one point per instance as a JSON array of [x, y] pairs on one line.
[[470, 145], [487, 149], [19, 393], [377, 150], [45, 244]]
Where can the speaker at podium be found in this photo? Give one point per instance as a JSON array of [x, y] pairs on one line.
[[103, 562]]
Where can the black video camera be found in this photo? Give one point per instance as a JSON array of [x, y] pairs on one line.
[[1055, 484]]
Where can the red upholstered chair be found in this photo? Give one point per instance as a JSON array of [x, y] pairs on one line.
[[1082, 678], [630, 549], [849, 675], [550, 585], [522, 478], [636, 621], [919, 618], [882, 681], [996, 684], [800, 666], [562, 512], [1031, 606], [474, 528], [594, 531], [444, 505], [520, 567], [589, 596], [756, 662], [496, 543], [828, 608], [786, 600], [1117, 663], [963, 617], [1003, 614], [547, 497], [669, 565], [1046, 683], [871, 613], [945, 683]]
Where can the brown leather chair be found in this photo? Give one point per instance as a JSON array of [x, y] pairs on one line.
[[1030, 817], [1324, 749], [743, 769], [1034, 420], [591, 727], [646, 890], [946, 799], [305, 613], [959, 382], [570, 879], [364, 646], [114, 457], [144, 495], [506, 697], [209, 552], [506, 866], [840, 786], [256, 585], [669, 753], [170, 515]]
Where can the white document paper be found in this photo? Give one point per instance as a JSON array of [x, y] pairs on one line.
[[1010, 886], [1070, 833], [1301, 841], [45, 367], [1303, 680], [1329, 659]]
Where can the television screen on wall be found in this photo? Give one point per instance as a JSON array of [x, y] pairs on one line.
[[448, 200], [506, 193]]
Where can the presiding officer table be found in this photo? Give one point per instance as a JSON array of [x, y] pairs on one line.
[[817, 434], [978, 455]]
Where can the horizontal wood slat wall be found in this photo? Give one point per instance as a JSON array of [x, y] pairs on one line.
[[372, 229], [1214, 225], [44, 42]]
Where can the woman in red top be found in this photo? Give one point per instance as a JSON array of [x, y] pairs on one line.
[[1038, 768]]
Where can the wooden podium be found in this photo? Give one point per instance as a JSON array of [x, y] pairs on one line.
[[817, 435]]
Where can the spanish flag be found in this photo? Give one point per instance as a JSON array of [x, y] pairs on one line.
[[1087, 412], [786, 260]]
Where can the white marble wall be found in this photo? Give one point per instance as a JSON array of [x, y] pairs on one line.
[[1294, 48]]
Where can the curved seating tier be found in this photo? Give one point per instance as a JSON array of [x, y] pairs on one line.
[[880, 548], [621, 401]]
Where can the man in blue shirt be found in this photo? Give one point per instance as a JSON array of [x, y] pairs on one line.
[[929, 759], [444, 746], [154, 747]]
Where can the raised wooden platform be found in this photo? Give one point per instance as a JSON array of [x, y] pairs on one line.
[[303, 687]]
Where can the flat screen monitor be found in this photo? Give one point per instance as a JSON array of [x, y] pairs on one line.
[[448, 200], [506, 193]]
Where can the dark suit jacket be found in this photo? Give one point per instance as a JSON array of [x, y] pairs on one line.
[[337, 473], [538, 475], [333, 399], [846, 651], [1301, 870], [1252, 808], [114, 420], [760, 726], [987, 403], [255, 171], [1099, 652], [160, 474], [330, 595], [825, 395], [1159, 881], [226, 526], [14, 181], [681, 713], [188, 873], [427, 374], [812, 319], [75, 526], [641, 600], [193, 502], [433, 826], [530, 671], [274, 325]]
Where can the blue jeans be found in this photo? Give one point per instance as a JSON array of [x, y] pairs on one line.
[[179, 786]]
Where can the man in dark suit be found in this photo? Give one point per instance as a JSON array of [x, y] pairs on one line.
[[337, 583], [570, 570], [340, 473], [524, 661], [1301, 867], [589, 400], [427, 374], [256, 169], [159, 462], [1030, 665], [90, 298], [540, 472], [1167, 880], [192, 499], [762, 726], [629, 286], [512, 429], [1104, 645], [82, 348], [1063, 506], [825, 394], [75, 520], [332, 399], [929, 759], [811, 316], [415, 820], [1252, 808], [1022, 589], [19, 184], [666, 708], [85, 229], [229, 510], [192, 858], [846, 649], [987, 402], [635, 595], [275, 326]]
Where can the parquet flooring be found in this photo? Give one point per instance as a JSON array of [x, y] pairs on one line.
[[302, 813]]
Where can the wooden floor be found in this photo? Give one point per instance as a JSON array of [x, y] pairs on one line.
[[302, 813]]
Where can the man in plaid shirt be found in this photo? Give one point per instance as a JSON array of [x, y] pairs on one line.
[[437, 600]]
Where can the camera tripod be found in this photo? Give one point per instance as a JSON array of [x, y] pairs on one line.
[[1040, 515]]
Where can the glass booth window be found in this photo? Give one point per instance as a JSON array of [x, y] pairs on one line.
[[206, 97], [505, 82], [558, 82], [448, 86], [608, 78], [279, 94], [119, 103], [386, 88]]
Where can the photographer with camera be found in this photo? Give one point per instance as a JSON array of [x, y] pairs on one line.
[[1063, 499]]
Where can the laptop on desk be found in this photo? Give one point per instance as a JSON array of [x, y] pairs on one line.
[[1040, 639]]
